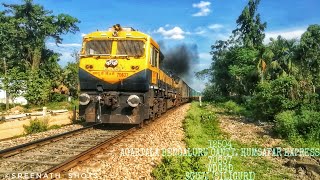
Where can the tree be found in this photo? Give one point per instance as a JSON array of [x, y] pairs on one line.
[[8, 46], [283, 57], [50, 69], [243, 71], [236, 62], [38, 90], [39, 24], [70, 75], [24, 29], [250, 32], [16, 83], [310, 54]]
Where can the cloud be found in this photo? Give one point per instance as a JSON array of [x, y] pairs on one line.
[[205, 56], [287, 34], [204, 8], [65, 51], [174, 33], [200, 31], [215, 26], [83, 34], [64, 45]]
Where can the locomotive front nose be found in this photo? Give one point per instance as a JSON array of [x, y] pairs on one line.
[[133, 100], [84, 99]]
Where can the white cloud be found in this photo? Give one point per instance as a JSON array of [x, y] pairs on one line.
[[215, 26], [83, 34], [65, 45], [174, 33], [204, 8], [65, 51], [205, 56], [200, 31], [287, 34]]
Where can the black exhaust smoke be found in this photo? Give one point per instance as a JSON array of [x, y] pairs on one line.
[[179, 59]]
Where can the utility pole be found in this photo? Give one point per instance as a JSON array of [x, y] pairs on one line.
[[6, 83]]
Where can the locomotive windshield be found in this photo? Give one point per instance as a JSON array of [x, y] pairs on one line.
[[98, 47], [130, 48]]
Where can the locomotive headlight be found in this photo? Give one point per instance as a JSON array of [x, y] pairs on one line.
[[108, 63], [84, 99], [133, 100], [114, 62], [111, 63]]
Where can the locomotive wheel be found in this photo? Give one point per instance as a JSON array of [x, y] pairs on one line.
[[160, 109], [164, 107], [151, 114]]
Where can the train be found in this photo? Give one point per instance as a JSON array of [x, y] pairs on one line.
[[121, 81]]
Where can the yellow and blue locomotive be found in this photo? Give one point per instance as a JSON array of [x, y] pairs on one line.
[[120, 78]]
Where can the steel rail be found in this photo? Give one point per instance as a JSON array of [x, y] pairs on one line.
[[40, 142], [72, 162]]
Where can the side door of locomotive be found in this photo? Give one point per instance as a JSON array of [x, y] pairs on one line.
[[154, 61]]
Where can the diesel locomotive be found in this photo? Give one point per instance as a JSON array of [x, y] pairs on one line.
[[120, 78]]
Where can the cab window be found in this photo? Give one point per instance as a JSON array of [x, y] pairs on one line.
[[130, 48], [98, 47], [154, 57]]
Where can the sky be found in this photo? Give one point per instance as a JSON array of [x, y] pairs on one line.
[[177, 22]]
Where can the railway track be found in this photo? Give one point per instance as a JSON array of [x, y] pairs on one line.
[[58, 153]]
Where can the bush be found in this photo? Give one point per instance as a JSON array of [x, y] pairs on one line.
[[271, 98], [38, 90], [298, 127], [309, 125], [36, 126], [232, 107], [212, 93], [56, 97], [286, 124], [3, 106]]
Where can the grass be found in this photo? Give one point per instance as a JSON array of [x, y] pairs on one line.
[[39, 125], [202, 125]]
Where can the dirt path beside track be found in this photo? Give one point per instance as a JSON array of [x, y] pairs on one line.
[[246, 132]]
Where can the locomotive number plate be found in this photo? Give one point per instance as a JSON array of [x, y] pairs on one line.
[[122, 75]]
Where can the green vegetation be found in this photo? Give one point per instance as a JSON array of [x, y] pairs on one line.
[[233, 108], [27, 66], [278, 81], [301, 129], [38, 125], [201, 125]]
